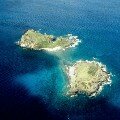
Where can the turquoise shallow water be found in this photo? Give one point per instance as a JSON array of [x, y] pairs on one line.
[[33, 84]]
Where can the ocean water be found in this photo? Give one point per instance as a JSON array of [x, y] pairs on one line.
[[33, 83]]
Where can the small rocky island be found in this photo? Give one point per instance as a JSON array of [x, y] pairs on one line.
[[38, 41], [87, 77]]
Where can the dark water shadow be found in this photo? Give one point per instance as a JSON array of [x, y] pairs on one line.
[[94, 109], [102, 110], [15, 102], [21, 61]]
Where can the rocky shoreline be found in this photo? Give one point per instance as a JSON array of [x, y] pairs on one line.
[[83, 82], [37, 41]]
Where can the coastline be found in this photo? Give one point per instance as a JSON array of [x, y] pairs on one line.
[[71, 73], [35, 40], [57, 48]]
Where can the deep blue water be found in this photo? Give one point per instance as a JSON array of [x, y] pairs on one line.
[[32, 83]]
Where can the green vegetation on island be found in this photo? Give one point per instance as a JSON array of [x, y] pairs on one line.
[[36, 40], [87, 77]]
